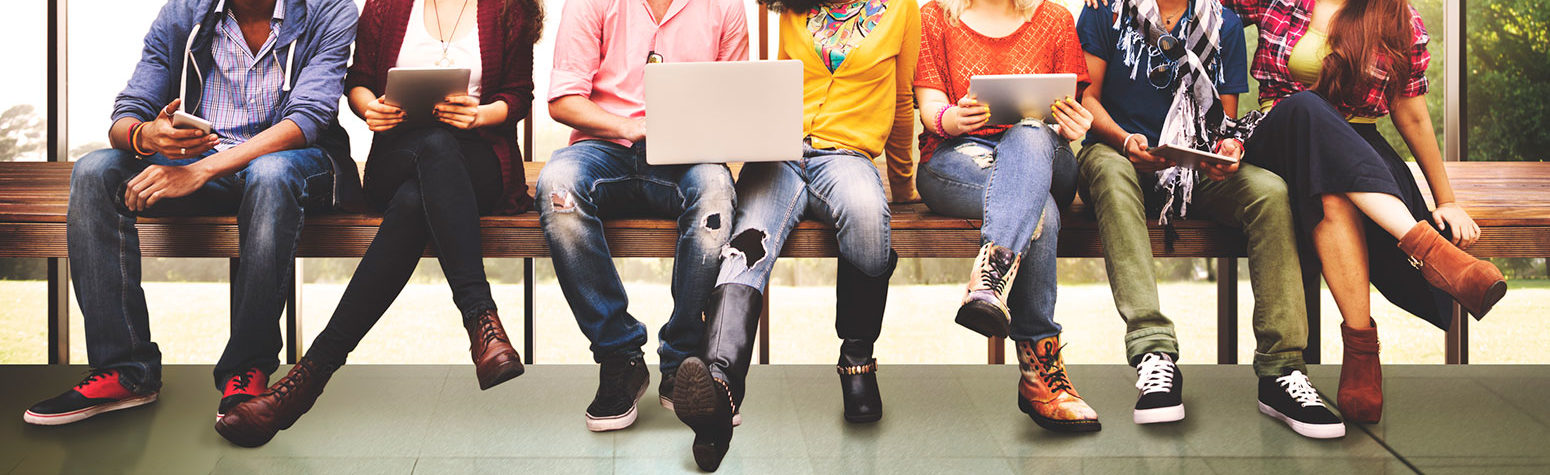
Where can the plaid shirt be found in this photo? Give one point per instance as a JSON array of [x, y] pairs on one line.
[[242, 94], [1283, 22]]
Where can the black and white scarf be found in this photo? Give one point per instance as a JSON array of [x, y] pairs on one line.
[[1195, 118]]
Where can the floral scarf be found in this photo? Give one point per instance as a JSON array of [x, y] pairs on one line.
[[838, 29]]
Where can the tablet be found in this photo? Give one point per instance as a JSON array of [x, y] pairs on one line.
[[1014, 97], [1188, 157], [418, 90]]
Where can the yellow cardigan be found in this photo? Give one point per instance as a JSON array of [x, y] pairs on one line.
[[868, 104]]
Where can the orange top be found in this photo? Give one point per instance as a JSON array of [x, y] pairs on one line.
[[951, 53]]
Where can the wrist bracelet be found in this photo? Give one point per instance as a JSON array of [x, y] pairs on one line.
[[1126, 144], [940, 129], [134, 139]]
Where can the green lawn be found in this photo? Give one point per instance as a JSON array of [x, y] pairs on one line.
[[189, 320]]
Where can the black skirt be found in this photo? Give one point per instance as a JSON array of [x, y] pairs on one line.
[[1311, 146]]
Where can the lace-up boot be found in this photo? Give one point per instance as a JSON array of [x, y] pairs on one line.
[[1045, 392], [984, 304], [495, 361], [255, 422]]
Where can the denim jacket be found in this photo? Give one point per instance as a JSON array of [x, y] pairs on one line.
[[313, 43]]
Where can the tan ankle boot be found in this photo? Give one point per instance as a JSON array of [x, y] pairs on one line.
[[1475, 284], [1045, 392], [1361, 376]]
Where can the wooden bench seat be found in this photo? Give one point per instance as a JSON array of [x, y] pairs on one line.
[[1511, 201]]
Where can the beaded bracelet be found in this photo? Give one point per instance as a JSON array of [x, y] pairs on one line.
[[940, 130]]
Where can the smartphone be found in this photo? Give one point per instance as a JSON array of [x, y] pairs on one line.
[[184, 120]]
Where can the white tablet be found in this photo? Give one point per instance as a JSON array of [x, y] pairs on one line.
[[1188, 157], [418, 90], [1014, 97]]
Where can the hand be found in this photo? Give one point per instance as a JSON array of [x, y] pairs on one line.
[[1135, 150], [967, 117], [159, 136], [381, 116], [633, 130], [461, 111], [1231, 148], [1074, 119], [1449, 216], [159, 182], [1098, 3]]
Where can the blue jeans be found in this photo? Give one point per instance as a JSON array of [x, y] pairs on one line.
[[269, 198], [838, 187], [591, 180], [1016, 182]]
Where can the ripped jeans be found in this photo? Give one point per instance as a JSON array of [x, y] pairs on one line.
[[838, 187], [1016, 182], [592, 180]]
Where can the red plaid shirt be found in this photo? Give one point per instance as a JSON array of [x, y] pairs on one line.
[[1282, 22]]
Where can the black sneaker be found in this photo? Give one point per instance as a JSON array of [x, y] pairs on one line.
[[1162, 389], [100, 392], [620, 384], [1292, 400]]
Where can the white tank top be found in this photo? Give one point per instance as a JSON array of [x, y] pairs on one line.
[[422, 49]]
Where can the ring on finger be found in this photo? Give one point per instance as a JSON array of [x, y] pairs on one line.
[[183, 151]]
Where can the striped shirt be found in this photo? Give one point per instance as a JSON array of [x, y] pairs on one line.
[[242, 94]]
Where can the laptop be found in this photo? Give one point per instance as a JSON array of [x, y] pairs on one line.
[[718, 112]]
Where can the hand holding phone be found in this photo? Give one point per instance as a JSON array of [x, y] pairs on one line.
[[164, 134]]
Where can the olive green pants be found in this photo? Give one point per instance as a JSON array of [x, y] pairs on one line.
[[1253, 200]]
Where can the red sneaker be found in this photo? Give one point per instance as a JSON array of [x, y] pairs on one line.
[[240, 388], [100, 392]]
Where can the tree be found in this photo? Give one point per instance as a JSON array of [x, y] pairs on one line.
[[1508, 96], [21, 133]]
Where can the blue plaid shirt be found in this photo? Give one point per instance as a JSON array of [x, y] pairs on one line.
[[242, 94]]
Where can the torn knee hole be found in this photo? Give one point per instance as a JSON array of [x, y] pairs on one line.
[[562, 200], [749, 245], [713, 222]]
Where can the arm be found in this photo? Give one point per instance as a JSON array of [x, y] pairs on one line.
[[578, 53], [314, 97], [1414, 122], [901, 159], [734, 33], [1132, 145]]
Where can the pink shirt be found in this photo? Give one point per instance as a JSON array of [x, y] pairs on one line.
[[601, 46]]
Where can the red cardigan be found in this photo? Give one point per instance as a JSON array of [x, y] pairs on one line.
[[506, 56]]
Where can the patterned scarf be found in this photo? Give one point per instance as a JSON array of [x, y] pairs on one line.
[[1196, 112], [839, 28]]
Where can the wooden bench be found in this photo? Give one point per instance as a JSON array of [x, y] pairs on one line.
[[1510, 201]]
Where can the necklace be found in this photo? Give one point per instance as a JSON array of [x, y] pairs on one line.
[[446, 41]]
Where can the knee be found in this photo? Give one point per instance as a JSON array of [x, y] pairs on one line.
[[434, 143], [1100, 164], [1338, 207], [1268, 189], [102, 170], [1049, 223], [560, 188], [1037, 135], [1306, 102]]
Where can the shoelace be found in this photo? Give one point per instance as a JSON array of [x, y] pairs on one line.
[[992, 277], [297, 375], [1156, 374], [241, 380], [1297, 385], [1054, 373], [94, 376], [489, 330]]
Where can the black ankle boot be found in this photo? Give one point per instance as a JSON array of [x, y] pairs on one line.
[[860, 300], [707, 391]]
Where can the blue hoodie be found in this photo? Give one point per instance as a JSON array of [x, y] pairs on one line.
[[313, 43]]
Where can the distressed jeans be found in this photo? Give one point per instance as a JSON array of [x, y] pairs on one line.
[[838, 187], [269, 197], [1015, 181], [592, 180], [1253, 200]]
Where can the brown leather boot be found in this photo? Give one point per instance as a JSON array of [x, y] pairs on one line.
[[254, 422], [1361, 376], [1475, 284], [495, 361], [1045, 392]]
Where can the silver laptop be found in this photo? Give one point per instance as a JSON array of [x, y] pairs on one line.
[[718, 112]]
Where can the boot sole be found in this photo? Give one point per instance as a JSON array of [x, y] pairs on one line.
[[984, 319], [1054, 425], [83, 414], [1312, 431], [1492, 295], [862, 419], [244, 437], [503, 373], [697, 404]]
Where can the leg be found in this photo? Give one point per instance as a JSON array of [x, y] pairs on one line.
[[105, 256], [1256, 201], [1342, 249], [275, 189], [451, 213], [577, 183], [702, 198], [1113, 189]]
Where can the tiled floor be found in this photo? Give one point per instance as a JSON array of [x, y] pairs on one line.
[[940, 419]]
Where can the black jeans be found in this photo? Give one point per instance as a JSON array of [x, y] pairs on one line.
[[432, 184]]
